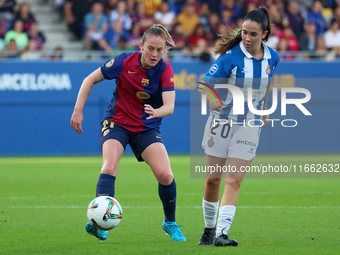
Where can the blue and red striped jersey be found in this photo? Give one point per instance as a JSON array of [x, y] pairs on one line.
[[136, 86]]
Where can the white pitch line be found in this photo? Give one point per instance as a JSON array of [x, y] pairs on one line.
[[178, 207], [182, 194]]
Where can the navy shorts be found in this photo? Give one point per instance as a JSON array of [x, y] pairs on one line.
[[138, 141]]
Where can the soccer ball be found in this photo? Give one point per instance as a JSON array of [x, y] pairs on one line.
[[104, 212]]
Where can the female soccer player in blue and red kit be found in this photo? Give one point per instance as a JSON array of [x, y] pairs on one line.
[[143, 96]]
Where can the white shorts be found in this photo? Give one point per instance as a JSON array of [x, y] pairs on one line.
[[223, 140]]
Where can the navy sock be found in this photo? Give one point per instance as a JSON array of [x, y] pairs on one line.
[[106, 185], [167, 194]]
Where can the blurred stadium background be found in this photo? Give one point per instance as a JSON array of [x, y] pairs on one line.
[[47, 47]]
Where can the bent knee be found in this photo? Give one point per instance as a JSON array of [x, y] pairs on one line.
[[165, 178], [109, 168], [235, 183], [213, 181]]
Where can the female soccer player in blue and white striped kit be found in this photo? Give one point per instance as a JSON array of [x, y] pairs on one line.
[[244, 61]]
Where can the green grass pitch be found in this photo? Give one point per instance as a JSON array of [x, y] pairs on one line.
[[43, 205]]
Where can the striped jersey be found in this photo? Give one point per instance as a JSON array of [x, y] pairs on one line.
[[136, 86], [238, 67]]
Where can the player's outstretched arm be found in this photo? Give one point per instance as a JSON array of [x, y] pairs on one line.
[[166, 109], [84, 92]]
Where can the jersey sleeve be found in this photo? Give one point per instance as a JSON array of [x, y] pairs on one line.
[[113, 68], [276, 58], [219, 71], [167, 79]]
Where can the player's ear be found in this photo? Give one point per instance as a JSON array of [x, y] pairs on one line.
[[141, 45], [264, 34]]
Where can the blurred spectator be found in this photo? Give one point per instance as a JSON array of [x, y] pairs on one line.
[[188, 19], [332, 36], [204, 14], [120, 14], [34, 34], [111, 37], [31, 53], [321, 50], [214, 6], [131, 7], [250, 7], [58, 53], [337, 14], [135, 36], [222, 29], [275, 16], [75, 11], [296, 20], [164, 16], [18, 35], [96, 23], [314, 15], [236, 10], [199, 33], [151, 6], [110, 5], [10, 51], [145, 21], [24, 14], [178, 36], [201, 51], [282, 48], [123, 46], [4, 25], [304, 6], [307, 41], [274, 39], [214, 23], [228, 17], [7, 9], [293, 43]]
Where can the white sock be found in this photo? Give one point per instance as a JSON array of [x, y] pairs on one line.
[[225, 219], [210, 210]]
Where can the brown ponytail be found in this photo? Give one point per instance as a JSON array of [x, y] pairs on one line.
[[159, 30]]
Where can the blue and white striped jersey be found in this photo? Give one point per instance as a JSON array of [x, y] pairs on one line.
[[238, 67]]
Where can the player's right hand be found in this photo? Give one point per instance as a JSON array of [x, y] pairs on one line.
[[76, 121], [217, 107]]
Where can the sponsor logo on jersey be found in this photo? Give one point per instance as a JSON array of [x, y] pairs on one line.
[[145, 82], [268, 70], [172, 79], [110, 63], [246, 143], [213, 69], [211, 142], [131, 72], [142, 95]]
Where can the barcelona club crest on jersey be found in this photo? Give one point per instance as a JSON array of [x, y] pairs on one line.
[[268, 70], [145, 82]]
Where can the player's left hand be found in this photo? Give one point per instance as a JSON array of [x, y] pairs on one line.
[[76, 121], [265, 119], [151, 111]]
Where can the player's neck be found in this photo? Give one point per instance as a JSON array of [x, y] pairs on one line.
[[257, 53]]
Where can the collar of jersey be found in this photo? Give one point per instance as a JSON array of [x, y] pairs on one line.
[[266, 54]]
